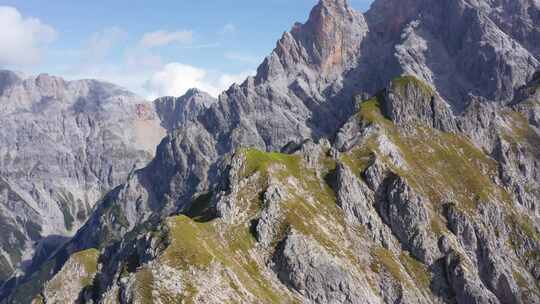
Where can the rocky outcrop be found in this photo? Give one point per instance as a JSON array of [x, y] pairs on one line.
[[305, 88], [409, 102], [462, 47], [358, 204], [406, 213], [173, 112], [467, 285], [268, 225], [70, 285], [311, 271]]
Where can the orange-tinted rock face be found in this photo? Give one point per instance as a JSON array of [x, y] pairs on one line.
[[330, 23], [145, 111]]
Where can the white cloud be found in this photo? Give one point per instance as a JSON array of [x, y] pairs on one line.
[[162, 38], [176, 78], [21, 38], [101, 43]]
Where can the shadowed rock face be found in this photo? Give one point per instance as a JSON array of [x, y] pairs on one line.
[[411, 203], [462, 47]]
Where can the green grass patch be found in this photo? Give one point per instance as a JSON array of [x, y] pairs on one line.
[[38, 300], [438, 164], [189, 244], [403, 82], [359, 158], [383, 259], [199, 244], [437, 226], [145, 285], [89, 260], [258, 161], [521, 133], [522, 224], [520, 280], [371, 113], [441, 163], [203, 244], [418, 271]]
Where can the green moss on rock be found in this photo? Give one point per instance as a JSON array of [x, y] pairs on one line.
[[383, 259], [403, 82], [89, 261], [258, 161], [438, 163], [418, 271], [188, 244]]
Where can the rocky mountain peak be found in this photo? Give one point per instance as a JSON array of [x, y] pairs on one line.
[[332, 33], [331, 9], [328, 42], [174, 111], [193, 92], [48, 81]]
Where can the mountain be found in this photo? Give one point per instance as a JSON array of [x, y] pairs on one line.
[[175, 111], [386, 157], [64, 145]]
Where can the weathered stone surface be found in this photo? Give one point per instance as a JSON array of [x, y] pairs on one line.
[[174, 112], [407, 215], [64, 145], [268, 225], [305, 266], [474, 55], [71, 284], [409, 101], [462, 47], [466, 284]]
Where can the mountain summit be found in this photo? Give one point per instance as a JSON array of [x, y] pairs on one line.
[[386, 157]]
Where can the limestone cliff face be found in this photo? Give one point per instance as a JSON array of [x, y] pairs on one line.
[[176, 111], [64, 145], [409, 171], [462, 47]]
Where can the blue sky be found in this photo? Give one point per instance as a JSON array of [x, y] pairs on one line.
[[151, 48]]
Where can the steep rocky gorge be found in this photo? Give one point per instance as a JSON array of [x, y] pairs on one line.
[[390, 157]]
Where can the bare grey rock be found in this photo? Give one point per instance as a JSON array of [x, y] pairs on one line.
[[409, 101], [268, 225], [407, 215], [174, 112], [454, 44], [358, 204], [64, 145], [467, 285], [305, 266]]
